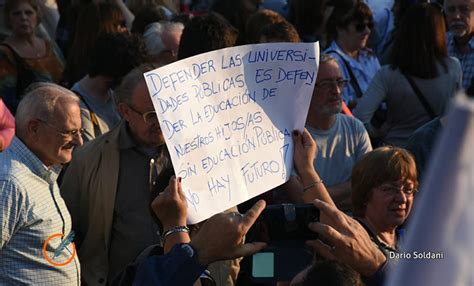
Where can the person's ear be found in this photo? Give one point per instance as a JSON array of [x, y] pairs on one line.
[[124, 110], [33, 128]]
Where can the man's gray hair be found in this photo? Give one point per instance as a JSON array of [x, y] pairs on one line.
[[324, 58], [153, 36], [40, 102], [124, 92]]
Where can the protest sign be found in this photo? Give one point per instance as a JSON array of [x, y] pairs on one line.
[[227, 117]]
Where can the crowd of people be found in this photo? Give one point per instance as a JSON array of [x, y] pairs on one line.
[[82, 153]]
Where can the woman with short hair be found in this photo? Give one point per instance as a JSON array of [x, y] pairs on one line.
[[348, 30], [384, 183]]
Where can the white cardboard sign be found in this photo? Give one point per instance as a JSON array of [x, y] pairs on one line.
[[227, 117]]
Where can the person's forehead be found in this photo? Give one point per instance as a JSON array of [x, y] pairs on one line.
[[171, 36], [401, 181], [458, 2], [329, 69], [66, 109], [23, 5], [141, 96]]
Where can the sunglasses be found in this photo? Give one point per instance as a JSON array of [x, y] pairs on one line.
[[360, 27]]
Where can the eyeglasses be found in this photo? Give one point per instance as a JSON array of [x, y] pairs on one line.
[[394, 189], [360, 27], [328, 83], [149, 117], [461, 9], [65, 133]]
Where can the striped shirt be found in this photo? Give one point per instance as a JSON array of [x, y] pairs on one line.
[[31, 211], [466, 59]]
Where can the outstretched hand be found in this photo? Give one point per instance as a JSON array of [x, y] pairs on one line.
[[222, 236], [346, 241]]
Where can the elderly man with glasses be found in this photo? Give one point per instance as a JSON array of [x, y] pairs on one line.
[[460, 21], [106, 186], [33, 216], [341, 140]]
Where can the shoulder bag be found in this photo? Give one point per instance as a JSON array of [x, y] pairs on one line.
[[420, 96]]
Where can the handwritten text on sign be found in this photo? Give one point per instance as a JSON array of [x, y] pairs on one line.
[[227, 117]]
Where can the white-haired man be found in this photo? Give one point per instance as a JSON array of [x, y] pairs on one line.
[[34, 217]]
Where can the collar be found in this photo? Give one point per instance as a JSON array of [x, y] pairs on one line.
[[452, 43], [324, 131], [33, 162], [334, 46]]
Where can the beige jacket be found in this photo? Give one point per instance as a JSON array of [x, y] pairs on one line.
[[88, 188]]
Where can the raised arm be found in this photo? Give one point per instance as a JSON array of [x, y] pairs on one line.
[[170, 207], [304, 154]]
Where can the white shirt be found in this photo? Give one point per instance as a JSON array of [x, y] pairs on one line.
[[31, 211]]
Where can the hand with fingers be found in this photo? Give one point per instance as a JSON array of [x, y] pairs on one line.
[[170, 207], [346, 241], [305, 151], [222, 236]]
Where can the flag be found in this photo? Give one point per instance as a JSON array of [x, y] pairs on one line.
[[439, 246]]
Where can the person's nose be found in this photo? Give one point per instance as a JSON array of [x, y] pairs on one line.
[[456, 13], [77, 139], [337, 89], [401, 197], [367, 30]]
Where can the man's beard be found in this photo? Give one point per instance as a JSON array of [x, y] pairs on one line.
[[331, 110]]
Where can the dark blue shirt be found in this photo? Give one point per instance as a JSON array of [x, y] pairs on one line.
[[177, 267]]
